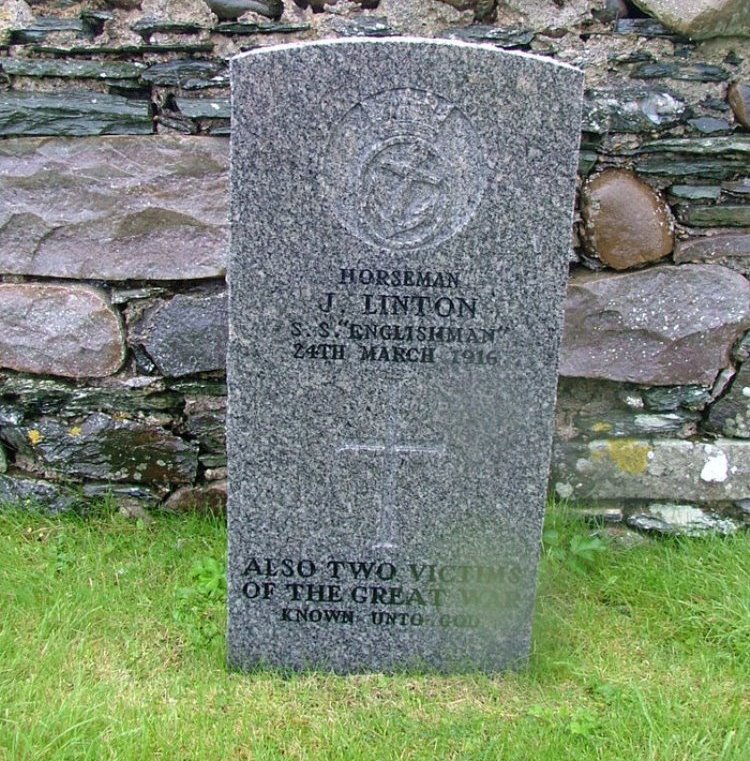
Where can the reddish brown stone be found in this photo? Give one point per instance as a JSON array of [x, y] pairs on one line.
[[663, 326], [625, 222], [210, 499], [68, 330], [739, 100]]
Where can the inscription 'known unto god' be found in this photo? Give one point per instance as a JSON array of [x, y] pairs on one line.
[[397, 270]]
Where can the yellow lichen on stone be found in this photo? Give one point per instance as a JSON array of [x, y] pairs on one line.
[[629, 455], [75, 431], [601, 427], [34, 437]]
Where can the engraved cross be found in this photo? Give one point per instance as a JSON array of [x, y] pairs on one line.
[[394, 453]]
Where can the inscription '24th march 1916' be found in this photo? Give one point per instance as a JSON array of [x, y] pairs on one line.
[[432, 318]]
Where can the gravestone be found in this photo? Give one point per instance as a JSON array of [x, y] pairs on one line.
[[401, 217]]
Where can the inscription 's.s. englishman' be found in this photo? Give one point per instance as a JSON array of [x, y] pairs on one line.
[[405, 169]]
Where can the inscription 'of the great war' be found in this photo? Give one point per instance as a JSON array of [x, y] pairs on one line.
[[443, 325]]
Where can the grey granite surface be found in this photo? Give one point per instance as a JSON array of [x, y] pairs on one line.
[[401, 215]]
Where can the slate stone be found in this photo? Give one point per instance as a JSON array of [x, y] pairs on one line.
[[730, 415], [37, 397], [715, 471], [504, 37], [724, 215], [680, 520], [206, 422], [148, 26], [34, 67], [664, 326], [68, 330], [41, 27], [730, 146], [114, 208], [738, 96], [365, 451], [695, 192], [187, 334], [122, 50], [672, 170], [3, 460], [691, 72], [714, 158], [708, 125], [203, 108], [187, 74], [22, 493], [673, 398], [363, 26], [739, 188], [643, 27], [701, 19], [199, 386], [121, 494], [632, 110], [589, 409], [625, 222], [238, 28], [76, 112], [105, 448]]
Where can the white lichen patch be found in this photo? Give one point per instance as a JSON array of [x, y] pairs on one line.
[[716, 468]]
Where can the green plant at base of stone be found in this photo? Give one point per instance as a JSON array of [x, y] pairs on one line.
[[197, 609], [568, 541]]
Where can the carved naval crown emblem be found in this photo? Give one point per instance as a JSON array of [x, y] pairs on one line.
[[405, 169]]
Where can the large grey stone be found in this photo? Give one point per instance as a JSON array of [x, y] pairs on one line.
[[400, 248], [114, 208], [105, 448], [187, 334], [663, 326], [716, 471], [700, 19], [68, 330]]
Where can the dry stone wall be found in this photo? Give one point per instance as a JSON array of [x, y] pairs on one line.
[[114, 117]]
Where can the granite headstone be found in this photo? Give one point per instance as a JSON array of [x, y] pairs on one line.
[[401, 217]]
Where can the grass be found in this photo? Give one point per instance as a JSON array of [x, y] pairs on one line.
[[111, 647]]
